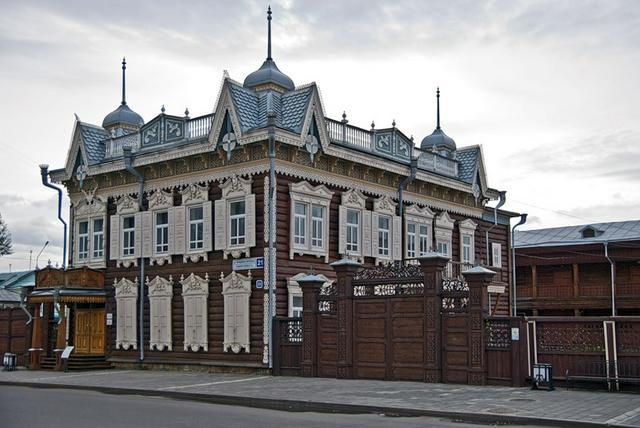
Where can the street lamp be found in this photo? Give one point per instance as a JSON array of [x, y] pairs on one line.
[[41, 250]]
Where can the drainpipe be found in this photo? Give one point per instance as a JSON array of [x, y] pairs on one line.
[[613, 279], [23, 305], [403, 184], [272, 189], [128, 164], [44, 171], [501, 202], [523, 220]]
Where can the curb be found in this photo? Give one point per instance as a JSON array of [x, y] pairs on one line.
[[322, 407]]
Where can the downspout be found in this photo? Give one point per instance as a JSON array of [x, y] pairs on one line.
[[44, 171], [272, 188], [128, 160], [403, 184], [613, 278], [523, 220], [501, 201], [23, 305]]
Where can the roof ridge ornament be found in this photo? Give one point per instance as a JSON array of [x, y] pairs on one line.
[[438, 108], [269, 33]]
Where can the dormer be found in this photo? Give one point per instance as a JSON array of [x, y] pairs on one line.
[[590, 232]]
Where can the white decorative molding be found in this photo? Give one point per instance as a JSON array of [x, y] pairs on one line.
[[236, 289], [195, 257], [235, 189], [160, 200], [354, 199], [195, 291], [386, 208], [303, 192], [127, 204], [385, 205], [160, 295], [89, 208], [235, 186], [126, 294], [444, 221], [194, 194], [420, 218], [160, 260]]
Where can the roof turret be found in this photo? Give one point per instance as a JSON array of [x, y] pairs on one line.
[[438, 138], [268, 76], [123, 116]]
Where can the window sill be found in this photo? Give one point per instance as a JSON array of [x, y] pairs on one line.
[[160, 259], [127, 262], [311, 252], [195, 257], [236, 252]]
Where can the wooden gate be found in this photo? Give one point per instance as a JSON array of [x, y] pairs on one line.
[[455, 347], [89, 331]]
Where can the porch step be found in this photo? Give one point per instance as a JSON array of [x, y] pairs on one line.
[[88, 362], [47, 363]]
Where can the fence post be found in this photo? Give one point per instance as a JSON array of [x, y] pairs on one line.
[[345, 270], [36, 340], [310, 285], [432, 265], [277, 345], [478, 279]]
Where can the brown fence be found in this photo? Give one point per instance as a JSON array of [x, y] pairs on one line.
[[14, 333], [287, 356], [605, 349]]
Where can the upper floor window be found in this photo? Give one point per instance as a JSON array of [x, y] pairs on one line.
[[387, 229], [309, 230], [98, 238], [196, 228], [83, 240], [411, 240], [418, 226], [467, 241], [162, 232], [496, 254], [128, 235], [384, 228], [353, 231], [237, 220], [424, 240]]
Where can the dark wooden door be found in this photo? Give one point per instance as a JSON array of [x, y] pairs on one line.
[[82, 338], [455, 347]]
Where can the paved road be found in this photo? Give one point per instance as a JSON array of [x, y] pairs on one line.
[[64, 408]]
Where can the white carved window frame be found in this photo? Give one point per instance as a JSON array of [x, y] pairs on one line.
[[444, 233], [236, 289], [294, 289], [159, 201], [467, 229], [355, 200], [195, 293], [305, 193], [384, 206], [496, 254], [126, 294], [417, 216], [160, 296], [89, 209], [193, 196], [125, 206], [235, 189]]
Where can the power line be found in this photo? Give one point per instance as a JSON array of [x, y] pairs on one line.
[[554, 211]]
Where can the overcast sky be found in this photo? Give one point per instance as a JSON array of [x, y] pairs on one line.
[[551, 89]]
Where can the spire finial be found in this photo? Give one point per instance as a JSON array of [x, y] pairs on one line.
[[438, 106], [124, 67], [269, 33]]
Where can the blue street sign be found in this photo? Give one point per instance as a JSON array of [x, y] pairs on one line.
[[259, 283]]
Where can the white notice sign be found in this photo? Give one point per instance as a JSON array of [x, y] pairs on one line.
[[109, 318], [515, 333], [66, 352], [248, 263]]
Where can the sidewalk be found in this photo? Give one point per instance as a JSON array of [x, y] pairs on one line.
[[470, 403]]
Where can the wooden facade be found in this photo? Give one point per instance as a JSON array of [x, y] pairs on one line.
[[574, 279]]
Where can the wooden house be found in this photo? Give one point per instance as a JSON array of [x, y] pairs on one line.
[[588, 270], [202, 225]]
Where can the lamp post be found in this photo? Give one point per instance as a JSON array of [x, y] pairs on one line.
[[41, 250]]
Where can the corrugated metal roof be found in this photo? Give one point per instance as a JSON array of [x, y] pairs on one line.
[[17, 279], [572, 235], [9, 296]]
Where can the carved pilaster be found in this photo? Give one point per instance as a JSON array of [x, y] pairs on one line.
[[310, 285], [345, 270]]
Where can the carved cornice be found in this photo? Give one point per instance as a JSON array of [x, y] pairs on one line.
[[384, 204], [160, 199], [303, 188], [415, 213], [126, 288], [194, 194], [160, 287], [235, 186], [127, 204], [195, 285], [236, 283], [444, 221], [354, 199]]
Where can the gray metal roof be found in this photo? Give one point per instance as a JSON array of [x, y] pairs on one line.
[[123, 114], [17, 279], [467, 163], [438, 139], [572, 235], [92, 139], [269, 73], [9, 296]]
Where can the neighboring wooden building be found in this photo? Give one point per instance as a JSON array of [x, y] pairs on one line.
[[206, 203], [576, 270]]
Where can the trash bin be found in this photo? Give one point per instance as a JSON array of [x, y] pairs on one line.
[[9, 361]]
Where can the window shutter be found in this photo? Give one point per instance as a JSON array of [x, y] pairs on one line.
[[114, 238], [154, 326], [76, 236], [366, 233], [250, 204], [206, 209], [138, 238], [179, 215], [230, 319], [374, 234], [397, 238], [164, 321], [199, 321], [147, 234], [342, 229], [121, 320], [241, 319], [188, 321], [220, 232], [130, 320], [172, 235]]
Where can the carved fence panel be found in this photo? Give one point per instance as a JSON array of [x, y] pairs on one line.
[[14, 333], [327, 324], [287, 356]]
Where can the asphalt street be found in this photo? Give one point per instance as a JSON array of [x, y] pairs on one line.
[[64, 408]]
